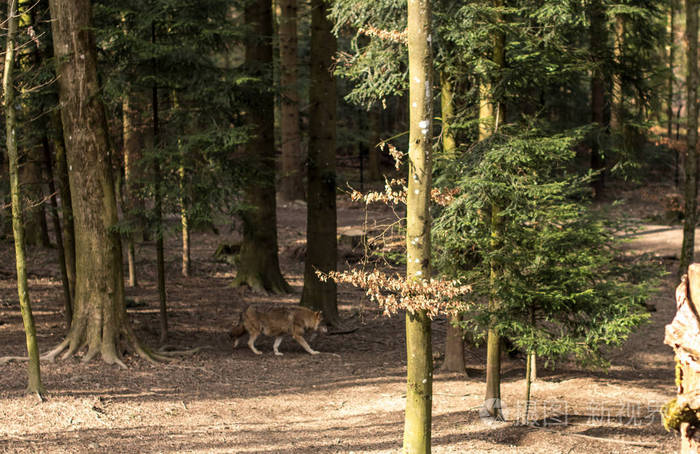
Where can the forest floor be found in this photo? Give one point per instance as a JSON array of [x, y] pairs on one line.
[[350, 398]]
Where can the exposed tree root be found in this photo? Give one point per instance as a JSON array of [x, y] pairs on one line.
[[7, 359]]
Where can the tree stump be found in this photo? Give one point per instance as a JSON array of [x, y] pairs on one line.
[[683, 334]]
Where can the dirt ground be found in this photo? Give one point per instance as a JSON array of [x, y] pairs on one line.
[[350, 398]]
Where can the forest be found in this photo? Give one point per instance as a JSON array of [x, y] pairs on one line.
[[344, 226]]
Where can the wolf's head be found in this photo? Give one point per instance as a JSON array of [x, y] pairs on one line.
[[316, 322]]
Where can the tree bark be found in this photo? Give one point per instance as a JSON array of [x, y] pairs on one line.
[[321, 227], [292, 178], [34, 374], [691, 161], [419, 366], [617, 119], [99, 320], [258, 260], [61, 174], [598, 40]]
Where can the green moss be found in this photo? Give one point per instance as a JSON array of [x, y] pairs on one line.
[[674, 415]]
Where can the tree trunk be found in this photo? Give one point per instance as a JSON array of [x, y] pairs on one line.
[[454, 339], [258, 260], [492, 398], [158, 207], [598, 40], [34, 374], [617, 120], [683, 334], [419, 366], [133, 135], [454, 346], [374, 172], [691, 161], [99, 319], [67, 298], [31, 180], [184, 221], [671, 52], [292, 178], [61, 174], [321, 231]]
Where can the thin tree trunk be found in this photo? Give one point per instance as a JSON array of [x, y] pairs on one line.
[[691, 161], [158, 210], [375, 127], [133, 132], [492, 398], [99, 318], [259, 263], [598, 41], [34, 374], [184, 220], [419, 366], [67, 298], [671, 52], [321, 231], [292, 178], [454, 339]]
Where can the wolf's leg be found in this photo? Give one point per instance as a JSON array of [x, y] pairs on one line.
[[236, 341], [251, 344], [275, 346], [305, 346]]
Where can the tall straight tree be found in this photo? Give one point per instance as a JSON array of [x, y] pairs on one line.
[[292, 178], [691, 161], [99, 317], [321, 228], [493, 111], [34, 381], [454, 341], [259, 263], [598, 46], [419, 366]]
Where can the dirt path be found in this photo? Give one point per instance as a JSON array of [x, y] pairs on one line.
[[348, 399]]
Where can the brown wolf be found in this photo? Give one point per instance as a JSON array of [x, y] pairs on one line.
[[276, 321]]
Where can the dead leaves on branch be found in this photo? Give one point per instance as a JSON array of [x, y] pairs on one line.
[[396, 293]]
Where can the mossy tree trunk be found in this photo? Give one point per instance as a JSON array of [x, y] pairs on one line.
[[598, 44], [292, 178], [691, 161], [419, 366], [99, 319], [258, 260], [34, 374], [321, 226]]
